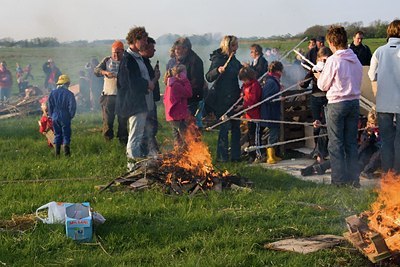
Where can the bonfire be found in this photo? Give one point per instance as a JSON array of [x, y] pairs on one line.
[[187, 168], [376, 233]]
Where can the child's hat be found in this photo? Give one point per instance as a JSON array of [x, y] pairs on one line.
[[63, 79]]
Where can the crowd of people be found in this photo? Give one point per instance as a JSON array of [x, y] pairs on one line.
[[127, 86]]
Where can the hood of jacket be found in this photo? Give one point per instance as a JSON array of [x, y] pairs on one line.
[[217, 54], [347, 54]]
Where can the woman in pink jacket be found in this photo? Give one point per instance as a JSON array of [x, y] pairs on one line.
[[341, 79], [176, 96]]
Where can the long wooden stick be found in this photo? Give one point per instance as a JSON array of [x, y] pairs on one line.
[[304, 58], [237, 102], [257, 104], [225, 65]]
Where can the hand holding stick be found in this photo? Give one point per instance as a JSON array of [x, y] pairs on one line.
[[304, 58]]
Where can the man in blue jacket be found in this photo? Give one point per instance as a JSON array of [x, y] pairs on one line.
[[62, 108]]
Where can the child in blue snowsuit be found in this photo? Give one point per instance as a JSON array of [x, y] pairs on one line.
[[62, 108]]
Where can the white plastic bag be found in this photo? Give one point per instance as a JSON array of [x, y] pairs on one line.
[[55, 213], [98, 218]]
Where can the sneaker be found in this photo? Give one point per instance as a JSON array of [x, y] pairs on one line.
[[318, 169], [251, 160], [307, 171]]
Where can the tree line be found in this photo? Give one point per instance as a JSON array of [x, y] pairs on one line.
[[376, 29]]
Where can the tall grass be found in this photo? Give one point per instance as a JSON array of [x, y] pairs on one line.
[[150, 228]]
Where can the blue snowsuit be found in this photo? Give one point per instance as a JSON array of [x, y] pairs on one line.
[[62, 108]]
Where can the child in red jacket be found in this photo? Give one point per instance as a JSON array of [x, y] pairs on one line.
[[252, 95], [176, 94], [45, 123]]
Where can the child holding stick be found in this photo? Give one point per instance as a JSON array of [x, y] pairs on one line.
[[176, 96]]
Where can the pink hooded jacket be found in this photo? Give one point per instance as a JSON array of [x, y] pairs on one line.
[[176, 95], [341, 77]]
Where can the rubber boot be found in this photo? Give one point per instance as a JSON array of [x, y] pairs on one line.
[[270, 156], [67, 150], [276, 158], [58, 150]]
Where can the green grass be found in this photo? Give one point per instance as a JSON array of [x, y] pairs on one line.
[[150, 228]]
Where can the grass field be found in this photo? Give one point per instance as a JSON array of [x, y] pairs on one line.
[[150, 228]]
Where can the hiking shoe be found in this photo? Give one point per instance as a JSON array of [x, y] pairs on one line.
[[318, 169], [307, 171]]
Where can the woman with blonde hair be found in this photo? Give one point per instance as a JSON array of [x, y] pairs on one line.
[[224, 70]]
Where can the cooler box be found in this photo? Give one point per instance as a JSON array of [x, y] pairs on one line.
[[78, 221]]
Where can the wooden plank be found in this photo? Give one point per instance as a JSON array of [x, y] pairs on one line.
[[306, 245]]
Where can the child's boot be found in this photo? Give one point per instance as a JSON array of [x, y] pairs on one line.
[[67, 150], [276, 158], [271, 154], [58, 150]]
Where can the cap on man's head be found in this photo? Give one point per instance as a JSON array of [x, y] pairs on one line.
[[63, 79], [117, 45], [320, 39]]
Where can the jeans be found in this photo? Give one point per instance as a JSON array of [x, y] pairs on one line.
[[137, 124], [390, 135], [342, 121], [223, 141], [5, 93]]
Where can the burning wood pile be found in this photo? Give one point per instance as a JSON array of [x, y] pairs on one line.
[[376, 233], [187, 169], [28, 104]]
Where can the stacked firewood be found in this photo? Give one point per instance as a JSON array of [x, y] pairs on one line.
[[23, 105], [174, 179]]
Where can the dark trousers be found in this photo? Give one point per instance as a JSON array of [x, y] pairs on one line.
[[318, 106], [342, 121], [151, 129], [390, 135], [107, 103], [223, 141], [254, 136]]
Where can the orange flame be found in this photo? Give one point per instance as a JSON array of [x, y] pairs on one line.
[[384, 216], [194, 155]]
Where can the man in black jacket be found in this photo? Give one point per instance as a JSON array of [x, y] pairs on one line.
[[149, 139], [362, 51], [134, 94]]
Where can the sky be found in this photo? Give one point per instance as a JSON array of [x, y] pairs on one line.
[[90, 20]]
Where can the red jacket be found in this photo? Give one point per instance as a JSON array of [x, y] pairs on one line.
[[5, 79], [176, 97], [252, 95]]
